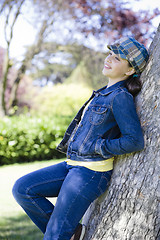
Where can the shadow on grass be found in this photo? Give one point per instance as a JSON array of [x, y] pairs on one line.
[[19, 228]]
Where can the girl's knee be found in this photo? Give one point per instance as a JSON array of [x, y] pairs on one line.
[[19, 188], [15, 189]]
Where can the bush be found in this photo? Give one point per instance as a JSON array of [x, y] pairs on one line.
[[60, 100], [25, 139]]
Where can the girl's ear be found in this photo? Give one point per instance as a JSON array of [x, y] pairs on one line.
[[130, 71]]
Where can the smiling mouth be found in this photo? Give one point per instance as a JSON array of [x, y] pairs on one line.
[[107, 66]]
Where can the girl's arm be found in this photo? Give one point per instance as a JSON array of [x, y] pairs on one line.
[[131, 139]]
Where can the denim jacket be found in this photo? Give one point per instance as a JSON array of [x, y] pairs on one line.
[[110, 126]]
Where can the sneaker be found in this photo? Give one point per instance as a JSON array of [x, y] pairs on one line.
[[79, 232]]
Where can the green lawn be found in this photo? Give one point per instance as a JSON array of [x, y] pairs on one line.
[[14, 223]]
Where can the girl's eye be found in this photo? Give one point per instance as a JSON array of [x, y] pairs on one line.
[[110, 53], [117, 58]]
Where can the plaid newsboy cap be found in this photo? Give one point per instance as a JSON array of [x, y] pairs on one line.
[[130, 49]]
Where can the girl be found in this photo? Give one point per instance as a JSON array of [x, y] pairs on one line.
[[105, 126]]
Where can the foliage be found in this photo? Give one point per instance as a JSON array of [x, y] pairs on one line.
[[25, 94], [25, 139], [61, 100], [89, 73], [86, 18], [53, 64], [110, 18], [93, 62], [73, 58]]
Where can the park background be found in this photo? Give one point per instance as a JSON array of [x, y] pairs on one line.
[[51, 58]]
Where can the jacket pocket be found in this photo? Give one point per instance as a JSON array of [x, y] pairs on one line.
[[97, 114]]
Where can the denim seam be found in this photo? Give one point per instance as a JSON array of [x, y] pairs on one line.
[[75, 199], [33, 202], [122, 91], [85, 140], [100, 114], [102, 178], [100, 147]]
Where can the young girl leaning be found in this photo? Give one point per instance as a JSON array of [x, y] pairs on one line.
[[105, 126]]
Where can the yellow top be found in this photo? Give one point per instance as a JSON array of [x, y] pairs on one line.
[[99, 166]]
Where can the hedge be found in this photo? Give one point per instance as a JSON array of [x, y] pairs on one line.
[[35, 135], [25, 139]]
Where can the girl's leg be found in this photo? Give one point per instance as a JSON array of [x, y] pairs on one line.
[[80, 187], [30, 192]]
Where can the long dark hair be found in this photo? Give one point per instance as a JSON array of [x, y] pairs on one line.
[[133, 83]]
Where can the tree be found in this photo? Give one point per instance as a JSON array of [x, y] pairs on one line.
[[90, 17], [130, 209], [2, 60], [29, 55], [109, 18], [72, 58], [8, 32], [12, 10]]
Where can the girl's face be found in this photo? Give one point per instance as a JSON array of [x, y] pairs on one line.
[[116, 68]]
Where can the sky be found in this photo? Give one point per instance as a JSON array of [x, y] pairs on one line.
[[25, 33]]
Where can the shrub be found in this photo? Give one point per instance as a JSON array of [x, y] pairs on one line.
[[25, 139], [60, 100]]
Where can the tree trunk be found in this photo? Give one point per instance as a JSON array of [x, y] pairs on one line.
[[130, 209], [4, 84], [8, 33], [35, 49]]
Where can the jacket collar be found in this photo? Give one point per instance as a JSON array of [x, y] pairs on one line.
[[106, 91]]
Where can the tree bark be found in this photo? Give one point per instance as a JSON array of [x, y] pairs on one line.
[[8, 38], [130, 209]]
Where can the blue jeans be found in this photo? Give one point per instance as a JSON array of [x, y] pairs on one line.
[[75, 188]]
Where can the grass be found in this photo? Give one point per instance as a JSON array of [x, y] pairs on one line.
[[14, 223]]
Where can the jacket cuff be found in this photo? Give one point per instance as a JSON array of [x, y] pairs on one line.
[[98, 145]]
